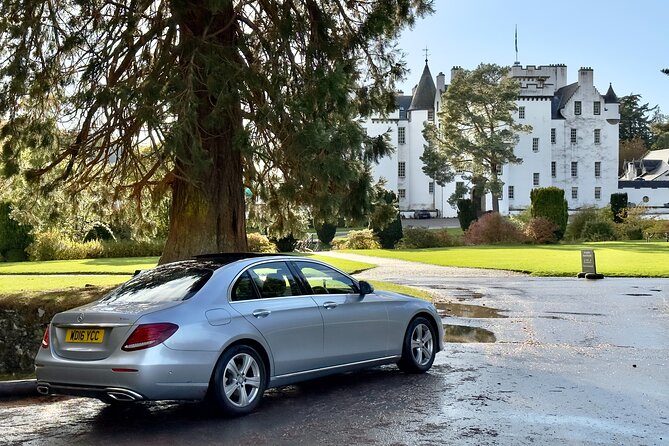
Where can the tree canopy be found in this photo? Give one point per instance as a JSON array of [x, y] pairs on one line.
[[201, 99], [476, 132], [635, 120]]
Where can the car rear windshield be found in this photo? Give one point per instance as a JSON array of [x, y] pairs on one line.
[[163, 284]]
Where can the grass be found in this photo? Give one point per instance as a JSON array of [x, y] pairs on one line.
[[33, 282], [123, 266], [623, 259], [410, 291]]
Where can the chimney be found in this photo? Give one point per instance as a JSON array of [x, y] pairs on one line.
[[585, 77], [441, 82], [454, 71]]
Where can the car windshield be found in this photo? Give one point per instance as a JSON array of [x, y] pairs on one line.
[[163, 284]]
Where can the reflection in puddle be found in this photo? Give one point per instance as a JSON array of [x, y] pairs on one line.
[[464, 310], [461, 333], [460, 294]]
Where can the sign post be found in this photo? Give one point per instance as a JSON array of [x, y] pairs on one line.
[[589, 265]]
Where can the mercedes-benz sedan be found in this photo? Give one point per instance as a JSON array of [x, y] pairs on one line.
[[226, 327]]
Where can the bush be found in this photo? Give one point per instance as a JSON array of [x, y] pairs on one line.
[[326, 232], [541, 230], [549, 202], [466, 213], [598, 231], [658, 229], [579, 219], [364, 239], [99, 231], [391, 234], [286, 244], [259, 243], [53, 245], [493, 228], [339, 243], [618, 205], [634, 224], [14, 237], [420, 238]]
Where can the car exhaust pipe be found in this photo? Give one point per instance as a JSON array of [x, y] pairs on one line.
[[42, 389], [124, 396]]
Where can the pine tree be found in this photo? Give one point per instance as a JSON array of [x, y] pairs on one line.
[[201, 99]]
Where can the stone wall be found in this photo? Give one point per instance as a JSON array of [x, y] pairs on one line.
[[21, 331]]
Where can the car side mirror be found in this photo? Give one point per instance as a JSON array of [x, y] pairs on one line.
[[365, 287]]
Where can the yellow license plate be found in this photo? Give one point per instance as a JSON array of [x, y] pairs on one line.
[[89, 336]]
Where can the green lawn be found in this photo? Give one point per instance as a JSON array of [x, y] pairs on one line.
[[34, 282], [625, 259], [124, 265]]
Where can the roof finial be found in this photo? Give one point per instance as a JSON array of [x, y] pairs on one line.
[[426, 54]]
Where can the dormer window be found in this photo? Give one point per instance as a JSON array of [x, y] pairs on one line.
[[577, 107], [430, 115]]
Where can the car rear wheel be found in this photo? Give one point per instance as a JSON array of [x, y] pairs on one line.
[[419, 350], [239, 380]]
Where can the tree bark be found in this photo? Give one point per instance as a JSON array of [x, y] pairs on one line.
[[208, 209]]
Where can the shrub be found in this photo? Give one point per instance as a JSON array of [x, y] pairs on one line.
[[634, 224], [14, 237], [598, 231], [99, 231], [493, 228], [618, 205], [259, 243], [579, 219], [420, 238], [364, 239], [53, 245], [339, 243], [326, 232], [659, 228], [549, 202], [540, 230], [286, 244], [391, 234], [466, 213]]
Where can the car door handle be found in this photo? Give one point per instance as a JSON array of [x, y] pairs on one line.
[[330, 305], [261, 313]]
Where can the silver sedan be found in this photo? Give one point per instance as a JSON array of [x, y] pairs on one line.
[[225, 327]]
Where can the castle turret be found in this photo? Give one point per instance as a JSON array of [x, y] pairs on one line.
[[425, 92], [611, 106]]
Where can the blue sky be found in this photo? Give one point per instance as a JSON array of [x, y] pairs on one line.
[[625, 42]]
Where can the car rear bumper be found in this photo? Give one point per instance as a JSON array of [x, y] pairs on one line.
[[147, 375]]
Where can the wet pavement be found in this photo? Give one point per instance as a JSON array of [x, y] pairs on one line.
[[527, 361]]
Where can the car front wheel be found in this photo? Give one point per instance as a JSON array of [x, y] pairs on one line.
[[418, 350], [239, 380]]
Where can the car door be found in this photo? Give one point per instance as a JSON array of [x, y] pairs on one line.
[[355, 326], [268, 296]]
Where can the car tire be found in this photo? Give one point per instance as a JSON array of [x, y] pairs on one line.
[[239, 380], [419, 348]]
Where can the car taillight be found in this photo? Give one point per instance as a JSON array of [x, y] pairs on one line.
[[45, 338], [149, 335]]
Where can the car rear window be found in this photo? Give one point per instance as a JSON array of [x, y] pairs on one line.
[[163, 284]]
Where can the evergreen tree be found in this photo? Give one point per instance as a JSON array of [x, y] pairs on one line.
[[635, 120], [477, 132], [200, 99]]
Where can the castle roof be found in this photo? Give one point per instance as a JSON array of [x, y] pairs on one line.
[[423, 97], [561, 98], [610, 96]]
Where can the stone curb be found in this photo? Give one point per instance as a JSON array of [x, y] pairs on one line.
[[18, 388]]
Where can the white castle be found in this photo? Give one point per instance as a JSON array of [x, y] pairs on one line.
[[573, 144]]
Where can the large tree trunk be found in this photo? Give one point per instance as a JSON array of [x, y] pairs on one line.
[[207, 214]]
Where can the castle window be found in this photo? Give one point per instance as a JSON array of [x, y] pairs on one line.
[[459, 188], [401, 135], [401, 169], [553, 137], [430, 187], [598, 136], [499, 170], [521, 112], [597, 108], [598, 193], [402, 193], [535, 144], [573, 136], [553, 169], [574, 169], [535, 179], [430, 115], [403, 113], [598, 169], [577, 107], [510, 192], [574, 193]]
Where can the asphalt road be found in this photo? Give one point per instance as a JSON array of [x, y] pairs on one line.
[[573, 362]]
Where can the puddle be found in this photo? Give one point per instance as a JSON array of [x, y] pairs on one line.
[[458, 293], [637, 294], [464, 334], [575, 314], [464, 310]]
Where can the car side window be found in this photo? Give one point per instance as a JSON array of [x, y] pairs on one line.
[[325, 280], [266, 280]]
